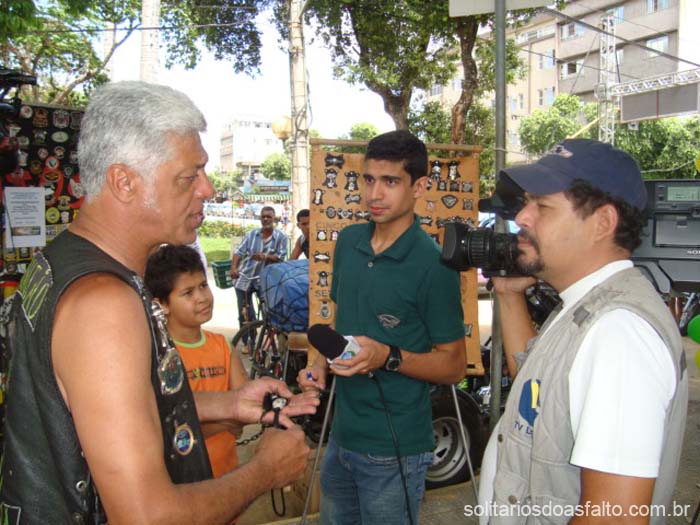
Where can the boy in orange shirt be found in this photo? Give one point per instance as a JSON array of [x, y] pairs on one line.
[[176, 278]]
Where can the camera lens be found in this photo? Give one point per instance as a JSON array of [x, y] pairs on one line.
[[465, 248]]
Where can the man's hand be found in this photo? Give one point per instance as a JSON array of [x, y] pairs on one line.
[[512, 285], [259, 256], [312, 379], [283, 454], [249, 398], [372, 355], [234, 272]]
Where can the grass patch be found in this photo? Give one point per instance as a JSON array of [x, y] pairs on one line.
[[216, 248]]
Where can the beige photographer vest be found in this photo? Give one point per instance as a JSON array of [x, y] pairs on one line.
[[536, 439]]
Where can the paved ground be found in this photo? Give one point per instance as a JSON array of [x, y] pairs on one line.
[[445, 506]]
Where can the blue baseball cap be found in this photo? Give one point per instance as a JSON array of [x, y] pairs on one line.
[[604, 167]]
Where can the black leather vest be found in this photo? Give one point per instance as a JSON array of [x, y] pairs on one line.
[[45, 478]]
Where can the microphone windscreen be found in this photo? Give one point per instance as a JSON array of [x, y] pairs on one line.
[[326, 340]]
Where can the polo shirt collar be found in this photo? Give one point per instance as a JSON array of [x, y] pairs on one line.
[[397, 251]]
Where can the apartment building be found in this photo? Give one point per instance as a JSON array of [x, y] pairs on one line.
[[563, 56], [245, 143]]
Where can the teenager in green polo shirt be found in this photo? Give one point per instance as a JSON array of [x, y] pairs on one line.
[[404, 309]]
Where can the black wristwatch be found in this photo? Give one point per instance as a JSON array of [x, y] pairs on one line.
[[393, 360]]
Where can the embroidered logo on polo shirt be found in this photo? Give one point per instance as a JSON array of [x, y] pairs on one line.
[[388, 320]]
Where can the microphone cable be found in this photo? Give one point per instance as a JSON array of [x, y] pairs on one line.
[[395, 441]]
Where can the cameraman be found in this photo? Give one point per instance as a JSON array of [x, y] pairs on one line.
[[597, 411]]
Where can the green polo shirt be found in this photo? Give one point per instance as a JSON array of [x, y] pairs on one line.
[[403, 296]]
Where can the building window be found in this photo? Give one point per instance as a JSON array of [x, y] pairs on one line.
[[513, 138], [657, 5], [571, 69], [618, 13], [521, 101], [619, 56], [571, 30], [545, 96], [546, 60], [436, 90], [659, 43]]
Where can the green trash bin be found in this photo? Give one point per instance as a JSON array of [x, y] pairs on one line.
[[222, 275]]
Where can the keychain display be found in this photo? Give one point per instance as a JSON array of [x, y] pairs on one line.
[[47, 138]]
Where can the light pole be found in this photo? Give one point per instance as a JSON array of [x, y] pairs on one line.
[[282, 128]]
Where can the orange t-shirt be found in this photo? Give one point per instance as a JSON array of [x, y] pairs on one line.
[[208, 366]]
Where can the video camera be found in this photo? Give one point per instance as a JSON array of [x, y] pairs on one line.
[[669, 254], [495, 253], [670, 251]]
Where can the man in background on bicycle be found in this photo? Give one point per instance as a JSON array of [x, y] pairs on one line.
[[259, 247]]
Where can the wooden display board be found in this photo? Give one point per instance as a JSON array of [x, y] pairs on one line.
[[337, 201]]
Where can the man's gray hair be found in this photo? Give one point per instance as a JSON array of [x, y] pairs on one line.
[[128, 123]]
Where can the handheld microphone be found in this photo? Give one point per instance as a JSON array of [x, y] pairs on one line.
[[332, 344]]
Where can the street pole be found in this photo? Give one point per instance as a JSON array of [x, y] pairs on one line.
[[150, 18], [496, 337], [299, 141]]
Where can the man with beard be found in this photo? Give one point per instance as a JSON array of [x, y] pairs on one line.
[[596, 413], [101, 422]]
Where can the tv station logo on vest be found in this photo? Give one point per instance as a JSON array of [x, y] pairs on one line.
[[528, 407]]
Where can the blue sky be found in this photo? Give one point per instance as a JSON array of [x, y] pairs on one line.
[[221, 94]]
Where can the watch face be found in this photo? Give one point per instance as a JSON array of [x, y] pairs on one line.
[[393, 364]]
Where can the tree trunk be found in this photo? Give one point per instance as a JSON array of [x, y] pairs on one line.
[[467, 28], [396, 106]]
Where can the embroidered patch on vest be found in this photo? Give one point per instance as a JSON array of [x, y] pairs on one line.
[[34, 286], [529, 405]]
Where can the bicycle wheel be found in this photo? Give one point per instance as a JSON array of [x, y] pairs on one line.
[[248, 329], [266, 359]]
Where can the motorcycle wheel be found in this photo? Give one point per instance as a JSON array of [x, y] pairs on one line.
[[450, 461]]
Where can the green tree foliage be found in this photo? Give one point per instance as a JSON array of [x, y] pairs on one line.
[[19, 16], [57, 44], [224, 182], [363, 131], [391, 46], [226, 28], [277, 166], [58, 40], [664, 148], [431, 122], [544, 128]]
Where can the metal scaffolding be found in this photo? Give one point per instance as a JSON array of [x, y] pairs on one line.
[[607, 103]]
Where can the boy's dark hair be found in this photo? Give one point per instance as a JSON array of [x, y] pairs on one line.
[[166, 264], [303, 213], [586, 199], [400, 145]]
